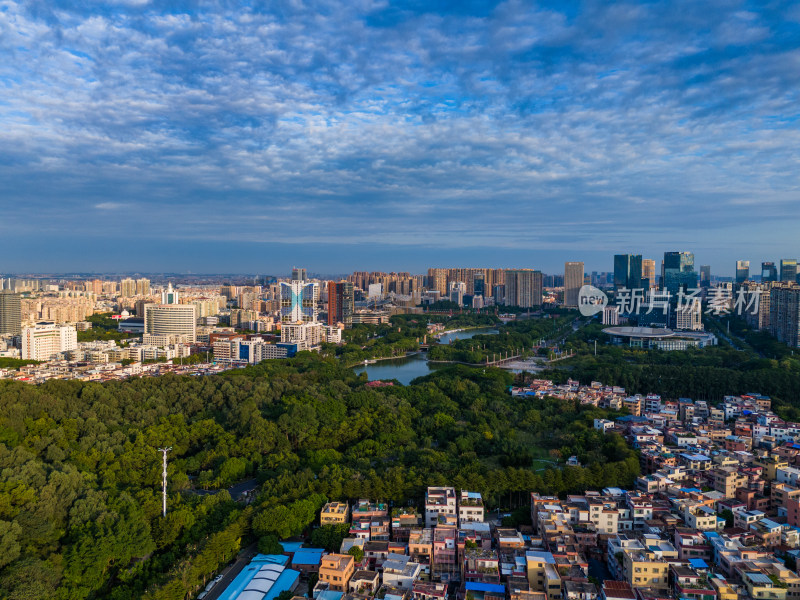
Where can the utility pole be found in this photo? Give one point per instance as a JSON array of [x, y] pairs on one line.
[[164, 482]]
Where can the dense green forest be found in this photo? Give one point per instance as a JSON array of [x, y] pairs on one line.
[[80, 485]]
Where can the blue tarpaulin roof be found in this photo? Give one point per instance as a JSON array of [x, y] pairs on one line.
[[476, 586], [291, 546], [307, 556], [698, 563]]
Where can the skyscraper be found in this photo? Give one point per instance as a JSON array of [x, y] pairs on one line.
[[10, 313], [299, 300], [648, 272], [573, 281], [523, 288], [705, 276], [437, 280], [299, 274], [340, 303], [789, 270], [784, 313], [143, 287], [769, 272], [479, 284], [127, 288], [742, 271], [679, 272], [627, 271], [457, 291]]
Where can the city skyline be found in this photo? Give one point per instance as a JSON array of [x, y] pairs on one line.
[[501, 133], [281, 270]]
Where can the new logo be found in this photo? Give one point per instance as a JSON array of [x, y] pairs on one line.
[[591, 300]]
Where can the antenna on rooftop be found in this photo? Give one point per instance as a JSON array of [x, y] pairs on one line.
[[164, 482]]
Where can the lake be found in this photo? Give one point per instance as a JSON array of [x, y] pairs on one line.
[[451, 336], [406, 368]]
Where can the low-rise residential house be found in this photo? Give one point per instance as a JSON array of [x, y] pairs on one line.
[[334, 513], [687, 583], [542, 573], [376, 552], [439, 501], [404, 520], [702, 518], [420, 549], [444, 563], [336, 570], [692, 544], [364, 583], [480, 565], [579, 590], [470, 507], [425, 590], [400, 571], [642, 569]]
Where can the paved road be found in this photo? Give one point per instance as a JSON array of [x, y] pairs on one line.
[[230, 572]]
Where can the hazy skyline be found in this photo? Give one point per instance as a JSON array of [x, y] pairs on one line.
[[340, 136]]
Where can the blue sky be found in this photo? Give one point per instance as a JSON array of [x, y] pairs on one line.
[[228, 136]]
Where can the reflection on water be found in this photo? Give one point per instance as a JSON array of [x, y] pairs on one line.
[[403, 369], [465, 335], [410, 367]]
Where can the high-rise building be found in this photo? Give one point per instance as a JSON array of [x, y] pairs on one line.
[[742, 271], [437, 280], [573, 281], [143, 287], [627, 271], [178, 321], [127, 288], [299, 301], [648, 272], [523, 287], [758, 319], [769, 272], [789, 270], [341, 303], [689, 317], [478, 284], [678, 272], [457, 291], [705, 276], [299, 274], [10, 313], [45, 341], [784, 313], [499, 294], [169, 296]]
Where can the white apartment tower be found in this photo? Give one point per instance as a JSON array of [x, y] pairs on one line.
[[46, 340]]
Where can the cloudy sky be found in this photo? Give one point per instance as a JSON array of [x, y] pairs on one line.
[[248, 136]]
